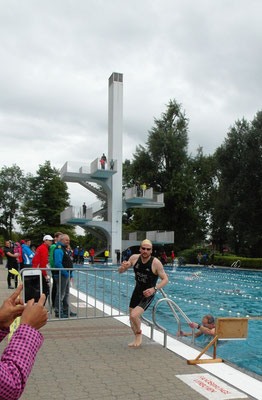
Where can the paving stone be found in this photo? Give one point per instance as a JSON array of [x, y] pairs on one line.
[[89, 359]]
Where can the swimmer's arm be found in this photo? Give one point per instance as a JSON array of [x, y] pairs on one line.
[[182, 333], [127, 264], [161, 273], [207, 331]]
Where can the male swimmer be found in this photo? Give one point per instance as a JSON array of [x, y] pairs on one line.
[[147, 270]]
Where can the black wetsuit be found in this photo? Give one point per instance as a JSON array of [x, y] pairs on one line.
[[145, 279]]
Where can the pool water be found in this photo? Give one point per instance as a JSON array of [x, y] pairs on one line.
[[199, 291]]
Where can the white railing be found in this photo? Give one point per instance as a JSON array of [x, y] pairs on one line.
[[110, 165], [74, 166], [137, 192], [130, 193], [154, 236], [75, 212]]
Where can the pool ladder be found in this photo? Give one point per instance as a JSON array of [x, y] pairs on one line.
[[172, 305]]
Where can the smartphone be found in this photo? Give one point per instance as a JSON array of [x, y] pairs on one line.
[[32, 284]]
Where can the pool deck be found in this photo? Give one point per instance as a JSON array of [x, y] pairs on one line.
[[90, 359]]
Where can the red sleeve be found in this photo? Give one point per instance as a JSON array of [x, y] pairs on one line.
[[36, 259], [41, 258]]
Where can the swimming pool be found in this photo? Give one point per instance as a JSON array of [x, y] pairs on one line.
[[198, 291]]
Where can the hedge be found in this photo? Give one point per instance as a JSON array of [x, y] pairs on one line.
[[219, 260]]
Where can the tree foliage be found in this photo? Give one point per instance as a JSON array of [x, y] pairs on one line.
[[12, 188], [45, 198], [165, 165], [237, 211]]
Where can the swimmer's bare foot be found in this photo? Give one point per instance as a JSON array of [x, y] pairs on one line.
[[138, 340]]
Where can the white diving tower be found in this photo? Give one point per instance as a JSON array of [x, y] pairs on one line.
[[110, 179]]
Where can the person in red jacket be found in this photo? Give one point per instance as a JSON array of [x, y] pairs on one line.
[[40, 260], [92, 255]]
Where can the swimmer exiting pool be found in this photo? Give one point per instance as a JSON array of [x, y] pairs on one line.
[[147, 270], [207, 327]]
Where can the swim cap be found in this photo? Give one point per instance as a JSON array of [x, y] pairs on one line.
[[146, 241]]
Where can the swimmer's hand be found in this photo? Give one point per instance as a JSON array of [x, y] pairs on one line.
[[123, 267], [182, 333], [193, 325], [149, 292]]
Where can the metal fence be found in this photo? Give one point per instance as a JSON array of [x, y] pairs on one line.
[[93, 293]]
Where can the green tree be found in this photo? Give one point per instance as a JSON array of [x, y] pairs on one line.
[[12, 188], [165, 165], [238, 206], [45, 199]]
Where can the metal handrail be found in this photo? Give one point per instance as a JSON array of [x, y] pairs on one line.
[[236, 264], [171, 303]]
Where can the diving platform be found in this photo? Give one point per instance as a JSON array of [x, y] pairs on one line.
[[106, 172], [137, 198], [131, 239], [79, 172]]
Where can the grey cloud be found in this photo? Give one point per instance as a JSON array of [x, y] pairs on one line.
[[56, 58]]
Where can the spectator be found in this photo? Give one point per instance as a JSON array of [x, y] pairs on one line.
[[112, 163], [86, 255], [212, 258], [84, 210], [199, 257], [172, 257], [19, 356], [81, 256], [128, 253], [103, 161], [63, 262], [40, 260], [163, 258], [1, 255], [205, 259], [92, 255], [52, 265], [117, 256], [138, 189], [75, 255], [143, 187], [106, 256], [18, 250], [28, 254], [11, 263]]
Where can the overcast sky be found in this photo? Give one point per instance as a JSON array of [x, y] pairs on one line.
[[57, 55]]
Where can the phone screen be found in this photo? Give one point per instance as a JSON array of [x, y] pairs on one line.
[[31, 287]]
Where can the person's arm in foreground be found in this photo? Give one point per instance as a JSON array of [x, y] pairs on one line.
[[19, 356]]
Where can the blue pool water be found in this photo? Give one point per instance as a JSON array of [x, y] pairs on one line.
[[220, 292]]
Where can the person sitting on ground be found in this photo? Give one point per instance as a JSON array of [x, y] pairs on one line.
[[207, 327], [19, 356]]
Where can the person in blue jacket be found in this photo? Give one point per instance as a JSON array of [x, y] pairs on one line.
[[62, 260], [28, 254]]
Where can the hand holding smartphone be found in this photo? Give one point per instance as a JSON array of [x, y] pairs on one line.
[[32, 284]]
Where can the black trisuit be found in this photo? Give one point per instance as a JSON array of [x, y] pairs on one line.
[[145, 279]]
